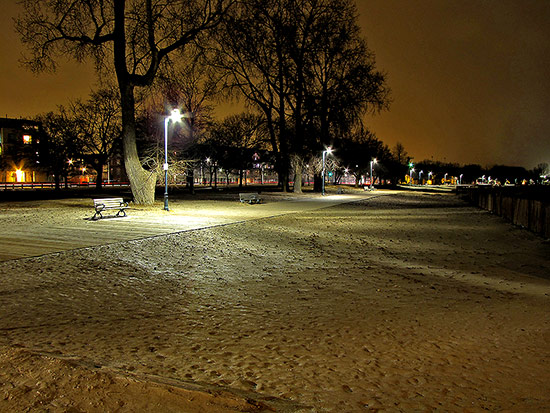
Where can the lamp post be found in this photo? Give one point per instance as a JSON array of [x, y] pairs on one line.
[[429, 176], [325, 152], [461, 175], [175, 116], [420, 177], [372, 161]]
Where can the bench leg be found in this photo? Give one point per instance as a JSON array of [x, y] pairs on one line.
[[123, 212], [97, 216]]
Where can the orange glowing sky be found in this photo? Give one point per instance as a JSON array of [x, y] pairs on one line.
[[470, 79]]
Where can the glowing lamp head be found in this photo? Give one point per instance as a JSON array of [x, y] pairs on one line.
[[176, 115]]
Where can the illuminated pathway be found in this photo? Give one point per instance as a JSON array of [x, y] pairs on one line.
[[41, 227]]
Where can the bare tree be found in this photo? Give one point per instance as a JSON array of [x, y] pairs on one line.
[[237, 137], [59, 143], [304, 66], [135, 37], [98, 122], [400, 153], [252, 51]]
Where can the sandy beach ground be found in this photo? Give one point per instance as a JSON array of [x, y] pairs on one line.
[[395, 302]]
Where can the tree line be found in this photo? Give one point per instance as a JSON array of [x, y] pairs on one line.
[[301, 66]]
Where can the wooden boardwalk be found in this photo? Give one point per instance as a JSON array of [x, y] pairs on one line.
[[36, 228]]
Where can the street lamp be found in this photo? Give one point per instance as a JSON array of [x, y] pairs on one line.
[[461, 175], [372, 161], [420, 177], [326, 152], [411, 170], [175, 116]]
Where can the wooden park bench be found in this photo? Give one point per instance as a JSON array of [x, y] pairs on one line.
[[104, 204], [250, 197]]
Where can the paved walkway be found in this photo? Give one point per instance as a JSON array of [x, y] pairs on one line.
[[41, 227]]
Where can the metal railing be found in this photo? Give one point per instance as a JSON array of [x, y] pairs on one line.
[[11, 186]]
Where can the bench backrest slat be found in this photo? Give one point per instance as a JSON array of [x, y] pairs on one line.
[[108, 201]]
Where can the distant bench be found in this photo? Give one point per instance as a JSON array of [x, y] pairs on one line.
[[250, 197], [104, 204]]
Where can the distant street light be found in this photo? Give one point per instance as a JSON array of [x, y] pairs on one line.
[[175, 116], [461, 175], [420, 177], [326, 152], [430, 176], [372, 161]]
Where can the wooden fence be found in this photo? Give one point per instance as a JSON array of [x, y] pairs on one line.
[[525, 207]]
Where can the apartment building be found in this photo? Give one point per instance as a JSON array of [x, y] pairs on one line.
[[19, 151]]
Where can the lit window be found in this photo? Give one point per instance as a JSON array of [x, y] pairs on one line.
[[26, 139]]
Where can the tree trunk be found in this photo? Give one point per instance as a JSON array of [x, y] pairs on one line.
[[298, 177], [142, 182], [99, 178], [191, 180], [57, 180], [317, 182]]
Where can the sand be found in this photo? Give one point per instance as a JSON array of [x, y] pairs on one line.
[[399, 302]]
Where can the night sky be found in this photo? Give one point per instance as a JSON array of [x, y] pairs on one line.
[[470, 79]]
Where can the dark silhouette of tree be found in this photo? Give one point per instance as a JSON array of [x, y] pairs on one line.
[[192, 87], [356, 153], [400, 153], [512, 174], [99, 128], [253, 54], [541, 170], [399, 166], [237, 138], [59, 143], [471, 172], [342, 82], [304, 66], [134, 38]]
